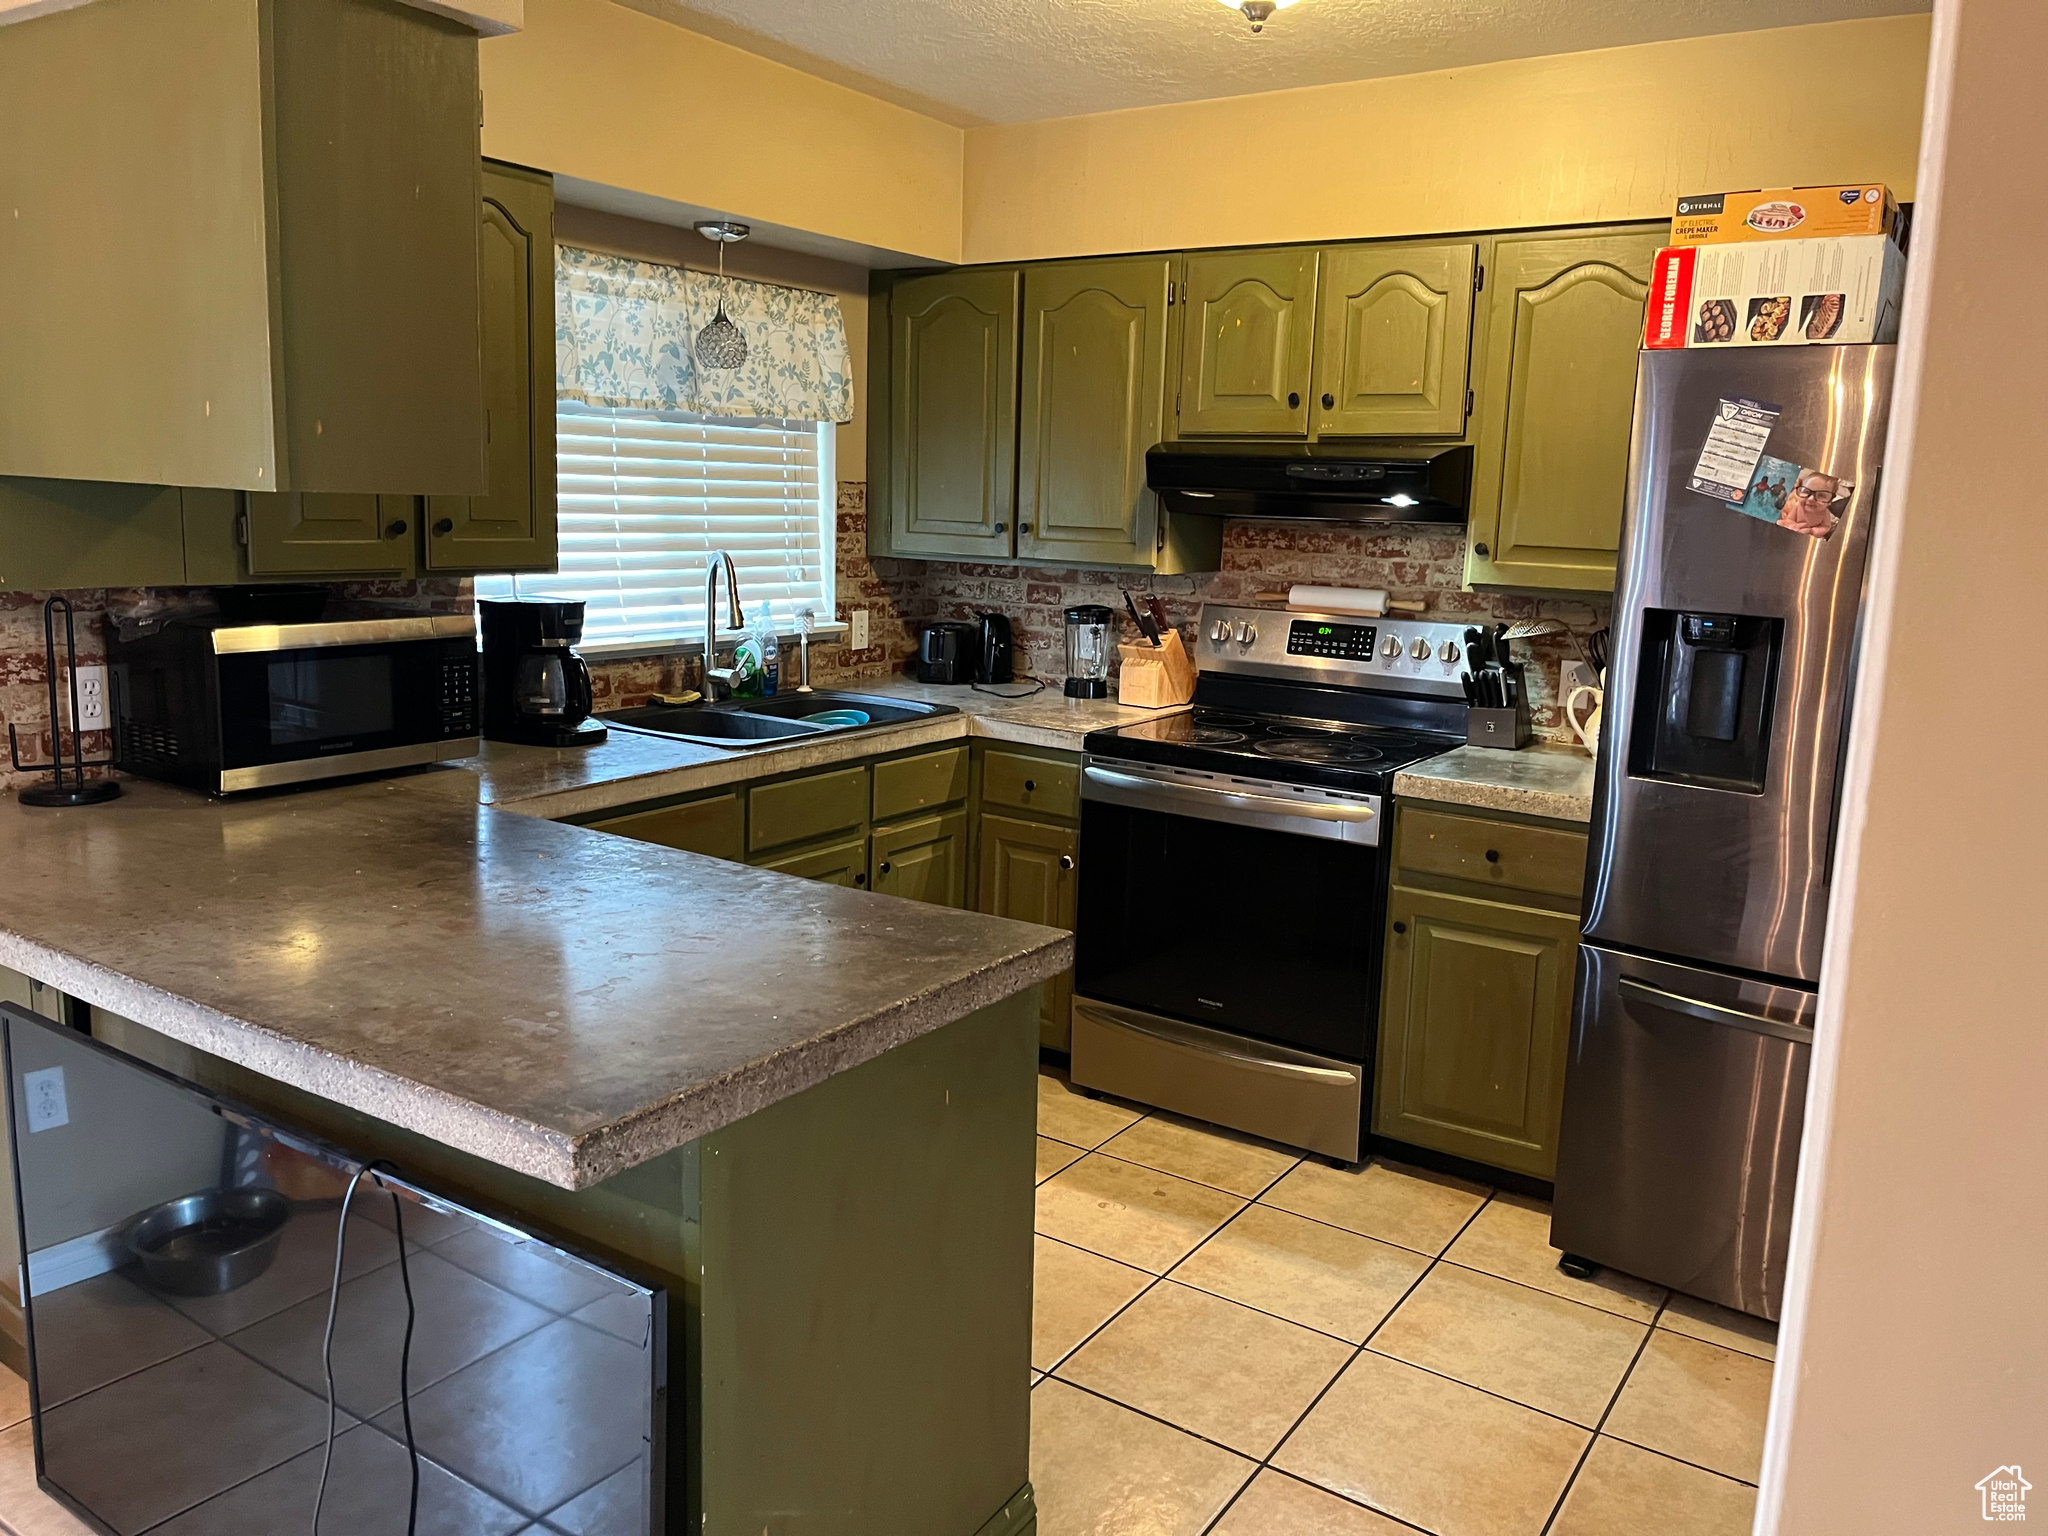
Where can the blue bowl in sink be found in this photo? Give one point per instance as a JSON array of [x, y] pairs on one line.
[[839, 717]]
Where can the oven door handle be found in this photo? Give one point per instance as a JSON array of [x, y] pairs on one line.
[[1713, 1013], [1193, 1042], [1305, 818]]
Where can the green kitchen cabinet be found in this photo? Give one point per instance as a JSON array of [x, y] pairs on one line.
[[330, 533], [57, 534], [239, 247], [805, 809], [511, 527], [1092, 401], [952, 414], [923, 860], [1393, 356], [1564, 320], [1029, 870], [1247, 343], [1475, 1018], [715, 826], [842, 862]]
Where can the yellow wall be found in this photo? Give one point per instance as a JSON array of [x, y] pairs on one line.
[[594, 90], [1619, 133], [686, 248]]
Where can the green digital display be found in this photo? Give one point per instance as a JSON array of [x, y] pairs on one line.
[[1341, 642]]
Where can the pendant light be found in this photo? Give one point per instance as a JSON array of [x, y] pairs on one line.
[[720, 344], [1258, 12]]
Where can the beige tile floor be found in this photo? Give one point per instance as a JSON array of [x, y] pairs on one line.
[[1229, 1340]]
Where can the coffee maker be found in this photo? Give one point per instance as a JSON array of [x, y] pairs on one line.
[[536, 688]]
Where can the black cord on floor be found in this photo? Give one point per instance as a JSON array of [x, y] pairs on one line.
[[405, 1354]]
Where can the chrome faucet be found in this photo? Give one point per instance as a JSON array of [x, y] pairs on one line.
[[719, 680]]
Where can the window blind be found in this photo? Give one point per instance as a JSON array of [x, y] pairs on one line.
[[644, 497]]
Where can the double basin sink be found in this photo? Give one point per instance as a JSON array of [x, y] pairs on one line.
[[763, 722]]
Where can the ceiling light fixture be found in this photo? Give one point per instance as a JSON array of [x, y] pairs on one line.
[[720, 344], [1258, 12]]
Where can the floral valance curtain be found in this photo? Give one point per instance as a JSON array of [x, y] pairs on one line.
[[625, 334]]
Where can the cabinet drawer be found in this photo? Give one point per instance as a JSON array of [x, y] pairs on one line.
[[715, 827], [1502, 854], [910, 784], [844, 863], [1048, 786], [798, 810]]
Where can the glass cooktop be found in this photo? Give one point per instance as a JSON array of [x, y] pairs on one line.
[[1278, 747]]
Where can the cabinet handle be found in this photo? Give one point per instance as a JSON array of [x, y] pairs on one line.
[[445, 525], [884, 869], [1030, 785], [1023, 527], [1002, 527], [1493, 855], [1400, 927], [1481, 551], [394, 528], [1066, 861], [1329, 402], [861, 878], [1293, 400]]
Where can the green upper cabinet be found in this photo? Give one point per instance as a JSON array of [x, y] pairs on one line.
[[1247, 343], [1564, 319], [953, 413], [239, 247], [335, 534], [1396, 323], [86, 533], [511, 527], [1092, 402]]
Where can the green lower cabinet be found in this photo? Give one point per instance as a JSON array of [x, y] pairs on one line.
[[1029, 871], [838, 863], [1474, 1022], [715, 826], [922, 860]]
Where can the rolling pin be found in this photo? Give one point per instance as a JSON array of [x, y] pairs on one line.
[[1367, 602]]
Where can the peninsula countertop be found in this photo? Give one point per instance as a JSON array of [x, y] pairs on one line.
[[1550, 781], [552, 999]]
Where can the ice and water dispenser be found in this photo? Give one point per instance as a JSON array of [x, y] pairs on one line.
[[1703, 698]]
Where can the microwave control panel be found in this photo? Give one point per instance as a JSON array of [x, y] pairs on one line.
[[458, 697]]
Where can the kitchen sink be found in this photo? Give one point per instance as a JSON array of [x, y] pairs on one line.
[[739, 723]]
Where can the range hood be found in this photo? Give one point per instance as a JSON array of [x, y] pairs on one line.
[[1318, 482]]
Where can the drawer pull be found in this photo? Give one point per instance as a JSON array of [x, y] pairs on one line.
[[1066, 861], [885, 867], [1493, 855], [396, 527], [1400, 927], [1030, 786], [861, 878]]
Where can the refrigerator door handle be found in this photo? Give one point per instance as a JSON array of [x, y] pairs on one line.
[[1713, 1013]]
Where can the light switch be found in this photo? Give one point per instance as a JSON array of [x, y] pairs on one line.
[[858, 621], [45, 1093]]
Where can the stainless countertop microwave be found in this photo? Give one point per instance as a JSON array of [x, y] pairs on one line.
[[224, 707]]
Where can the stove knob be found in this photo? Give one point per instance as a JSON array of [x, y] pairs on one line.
[[1247, 632], [1420, 649], [1219, 632], [1449, 651], [1392, 647]]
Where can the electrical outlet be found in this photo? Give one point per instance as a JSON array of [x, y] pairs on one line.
[[1574, 674], [92, 699], [858, 619], [44, 1091]]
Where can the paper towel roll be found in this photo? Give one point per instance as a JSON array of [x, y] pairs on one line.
[[1370, 602]]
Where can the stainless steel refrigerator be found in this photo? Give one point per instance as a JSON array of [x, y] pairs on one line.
[[1753, 477]]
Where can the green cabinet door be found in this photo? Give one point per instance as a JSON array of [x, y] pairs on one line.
[[88, 533], [1393, 357], [511, 527], [953, 414], [1028, 871], [924, 860], [1474, 1020], [1247, 343], [715, 826], [1564, 319], [1094, 387], [841, 863], [317, 533]]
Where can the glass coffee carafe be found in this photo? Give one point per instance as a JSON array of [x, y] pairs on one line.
[[1090, 640]]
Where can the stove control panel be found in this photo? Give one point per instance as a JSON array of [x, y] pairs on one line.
[[1394, 652]]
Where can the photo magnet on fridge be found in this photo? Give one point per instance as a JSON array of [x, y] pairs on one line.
[[1803, 500]]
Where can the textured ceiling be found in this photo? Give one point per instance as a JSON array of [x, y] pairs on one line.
[[1007, 61]]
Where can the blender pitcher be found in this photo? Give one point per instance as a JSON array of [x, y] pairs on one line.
[[1090, 641]]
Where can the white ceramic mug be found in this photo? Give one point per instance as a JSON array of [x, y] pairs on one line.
[[1587, 730]]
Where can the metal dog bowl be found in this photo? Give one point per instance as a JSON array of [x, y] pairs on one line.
[[214, 1241]]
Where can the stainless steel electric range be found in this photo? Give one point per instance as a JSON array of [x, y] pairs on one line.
[[1233, 914]]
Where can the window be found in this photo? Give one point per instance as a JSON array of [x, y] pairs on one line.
[[646, 496]]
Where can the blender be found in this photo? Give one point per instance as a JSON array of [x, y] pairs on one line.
[[1090, 642]]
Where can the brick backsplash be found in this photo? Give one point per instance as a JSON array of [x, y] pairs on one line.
[[900, 595]]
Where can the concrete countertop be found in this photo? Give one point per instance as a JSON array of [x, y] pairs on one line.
[[554, 1000], [628, 767], [1554, 782]]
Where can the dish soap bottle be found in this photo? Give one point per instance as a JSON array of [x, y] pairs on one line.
[[771, 650], [746, 664]]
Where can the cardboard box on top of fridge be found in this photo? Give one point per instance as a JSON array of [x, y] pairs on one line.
[[1788, 294], [1785, 213]]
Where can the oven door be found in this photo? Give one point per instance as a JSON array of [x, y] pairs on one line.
[[1250, 908], [301, 702]]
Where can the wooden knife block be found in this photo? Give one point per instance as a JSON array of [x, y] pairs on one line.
[[1155, 677]]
